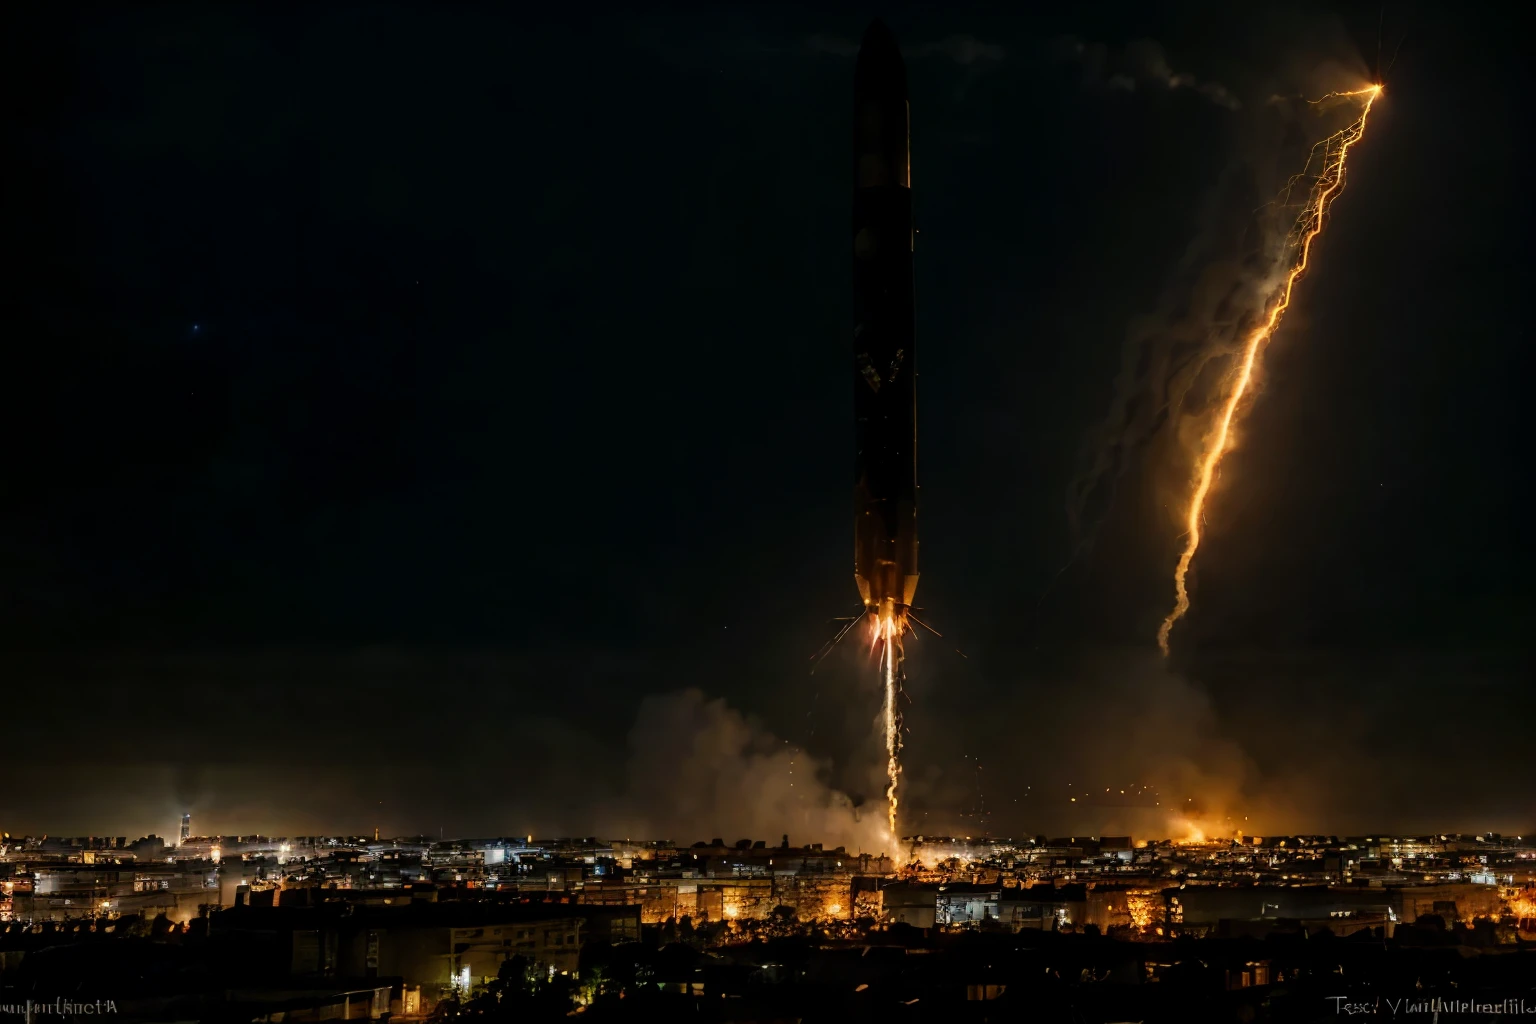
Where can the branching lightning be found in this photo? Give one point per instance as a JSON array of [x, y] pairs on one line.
[[1326, 186]]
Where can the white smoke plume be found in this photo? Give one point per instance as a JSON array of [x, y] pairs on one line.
[[1135, 724], [698, 769]]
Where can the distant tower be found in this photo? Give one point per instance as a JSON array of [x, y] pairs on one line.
[[186, 827]]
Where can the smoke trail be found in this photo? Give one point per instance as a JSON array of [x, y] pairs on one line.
[[1166, 352], [698, 768]]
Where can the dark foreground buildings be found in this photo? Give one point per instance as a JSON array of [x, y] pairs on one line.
[[1074, 929], [549, 961]]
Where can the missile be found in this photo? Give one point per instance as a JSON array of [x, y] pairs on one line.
[[884, 355]]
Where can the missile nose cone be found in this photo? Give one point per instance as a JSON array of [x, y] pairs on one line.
[[880, 112], [881, 71], [878, 35]]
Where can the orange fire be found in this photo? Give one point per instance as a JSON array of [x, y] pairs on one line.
[[1523, 907], [1143, 905]]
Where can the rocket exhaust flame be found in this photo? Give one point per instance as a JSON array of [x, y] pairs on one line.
[[888, 632], [887, 635], [1309, 224]]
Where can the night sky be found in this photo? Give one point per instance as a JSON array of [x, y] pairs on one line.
[[403, 404]]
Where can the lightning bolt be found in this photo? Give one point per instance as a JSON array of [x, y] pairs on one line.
[[1309, 224]]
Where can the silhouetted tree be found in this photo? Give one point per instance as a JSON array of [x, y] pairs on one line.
[[514, 977]]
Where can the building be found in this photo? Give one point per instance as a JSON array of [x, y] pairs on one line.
[[915, 905], [1043, 907], [958, 903], [63, 891], [438, 948]]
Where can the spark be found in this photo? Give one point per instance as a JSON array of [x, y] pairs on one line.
[[1309, 224]]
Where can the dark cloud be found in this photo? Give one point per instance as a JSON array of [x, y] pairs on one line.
[[963, 49], [832, 46], [1142, 64]]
